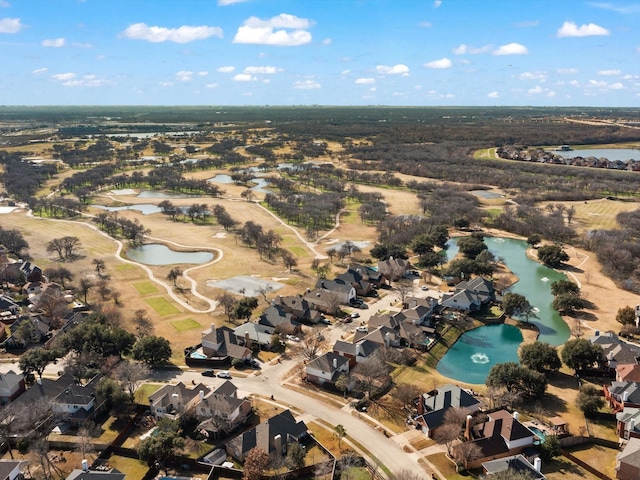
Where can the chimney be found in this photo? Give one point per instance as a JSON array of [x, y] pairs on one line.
[[467, 427], [39, 380], [625, 396], [335, 363], [358, 350], [515, 415], [201, 394], [85, 465], [537, 464], [387, 339], [277, 444], [632, 424]]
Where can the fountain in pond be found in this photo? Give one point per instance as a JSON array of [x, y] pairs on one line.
[[480, 358]]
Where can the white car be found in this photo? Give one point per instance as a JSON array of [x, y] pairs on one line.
[[355, 315], [224, 374], [293, 338], [362, 329]]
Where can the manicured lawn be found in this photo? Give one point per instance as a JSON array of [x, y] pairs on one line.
[[299, 251], [186, 324], [125, 267], [162, 306], [131, 467], [145, 288], [144, 390], [446, 467]]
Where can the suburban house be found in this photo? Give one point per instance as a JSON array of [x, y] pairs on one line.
[[223, 343], [393, 268], [464, 301], [220, 410], [502, 435], [252, 334], [78, 403], [9, 309], [273, 436], [515, 463], [480, 287], [369, 274], [343, 291], [622, 394], [12, 469], [11, 386], [276, 317], [628, 423], [355, 352], [45, 390], [171, 400], [300, 308], [327, 368], [433, 406], [325, 301], [358, 280], [381, 335], [628, 372], [628, 461]]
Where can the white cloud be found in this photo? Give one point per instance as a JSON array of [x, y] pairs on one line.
[[226, 69], [54, 42], [166, 84], [345, 72], [224, 3], [463, 49], [326, 41], [202, 74], [244, 77], [185, 75], [373, 89], [399, 69], [64, 76], [570, 29], [306, 85], [624, 9], [183, 34], [211, 85], [539, 76], [437, 3], [535, 90], [511, 49], [493, 95], [609, 73], [81, 45], [567, 71], [439, 64], [38, 71], [10, 25], [616, 86], [4, 4], [291, 31], [425, 24], [266, 70], [87, 81], [365, 81]]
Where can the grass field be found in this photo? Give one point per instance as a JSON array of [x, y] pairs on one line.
[[145, 288], [299, 251], [144, 390], [598, 214], [186, 324], [162, 306], [131, 467], [124, 267]]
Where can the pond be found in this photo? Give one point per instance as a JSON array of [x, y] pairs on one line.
[[158, 194], [158, 254], [611, 154], [476, 351], [144, 208], [260, 183]]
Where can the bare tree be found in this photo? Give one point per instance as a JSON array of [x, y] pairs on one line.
[[310, 346], [407, 475], [131, 375], [143, 324], [228, 302], [406, 393], [116, 297], [99, 265], [404, 287], [447, 434], [371, 376], [467, 452], [264, 291]]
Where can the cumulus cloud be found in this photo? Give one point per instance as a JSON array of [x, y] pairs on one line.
[[439, 64], [266, 70], [224, 3], [437, 3], [539, 76], [609, 73], [399, 69], [306, 85], [345, 72], [81, 45], [54, 42], [493, 95], [64, 76], [38, 71], [464, 49], [183, 34], [244, 77], [185, 75], [87, 81], [570, 29], [225, 69], [511, 49], [10, 25], [211, 85], [284, 30], [567, 71], [365, 81]]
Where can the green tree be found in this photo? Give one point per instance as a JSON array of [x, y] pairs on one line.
[[550, 448], [36, 360], [568, 303], [471, 247], [552, 255], [112, 394], [516, 305], [534, 239], [590, 400], [245, 307], [340, 432], [295, 456], [152, 350], [561, 287], [539, 356], [94, 337], [517, 379], [626, 315], [174, 274], [165, 442], [580, 353]]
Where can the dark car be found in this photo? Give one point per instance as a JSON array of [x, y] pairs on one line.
[[208, 373]]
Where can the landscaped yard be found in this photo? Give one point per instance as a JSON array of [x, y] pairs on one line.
[[162, 306], [144, 390], [185, 324], [131, 467], [145, 288], [601, 458]]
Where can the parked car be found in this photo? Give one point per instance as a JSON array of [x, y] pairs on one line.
[[355, 315], [348, 320], [208, 373], [326, 321], [253, 363], [362, 329], [293, 338], [224, 374]]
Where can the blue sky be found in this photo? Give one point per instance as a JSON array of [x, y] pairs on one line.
[[329, 52]]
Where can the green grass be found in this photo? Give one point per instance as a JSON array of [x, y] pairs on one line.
[[162, 306], [298, 251], [493, 212], [124, 267], [144, 390], [145, 288], [186, 324], [131, 467], [446, 467]]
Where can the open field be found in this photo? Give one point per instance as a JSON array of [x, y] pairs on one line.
[[599, 214]]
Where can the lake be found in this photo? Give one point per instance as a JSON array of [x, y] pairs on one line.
[[613, 154], [158, 254]]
